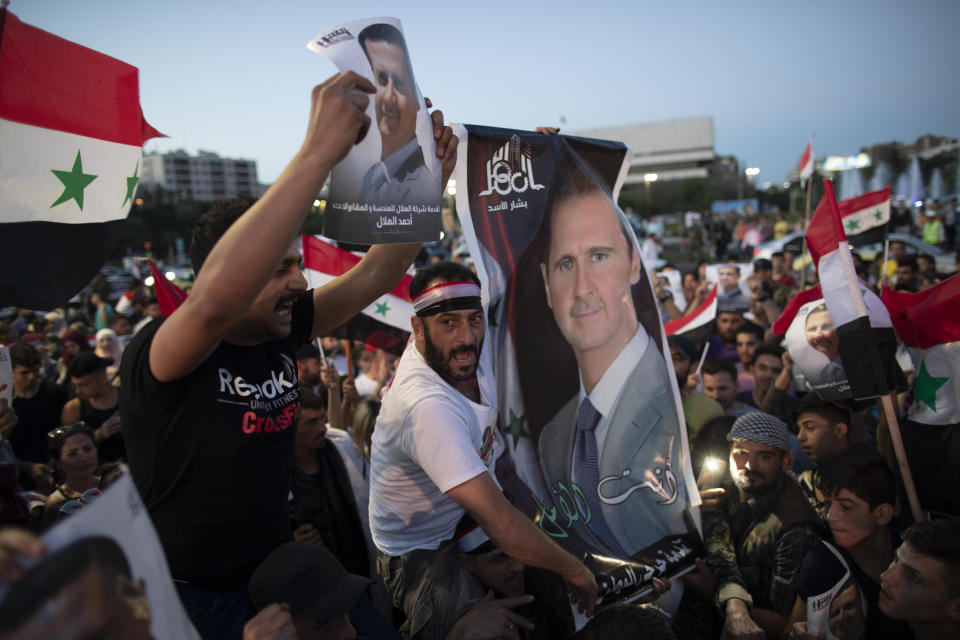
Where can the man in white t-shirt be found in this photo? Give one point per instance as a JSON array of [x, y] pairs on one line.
[[433, 454]]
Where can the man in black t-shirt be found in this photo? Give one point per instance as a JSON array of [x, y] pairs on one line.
[[38, 404], [210, 394]]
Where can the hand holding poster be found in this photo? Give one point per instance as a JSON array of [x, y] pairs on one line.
[[590, 408], [387, 189]]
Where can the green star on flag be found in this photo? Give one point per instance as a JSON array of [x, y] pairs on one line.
[[132, 184], [382, 308], [853, 225], [515, 428], [926, 387], [74, 182], [878, 214]]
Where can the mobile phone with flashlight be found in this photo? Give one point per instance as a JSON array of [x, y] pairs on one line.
[[712, 473]]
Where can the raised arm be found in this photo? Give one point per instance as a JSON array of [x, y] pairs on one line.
[[249, 253]]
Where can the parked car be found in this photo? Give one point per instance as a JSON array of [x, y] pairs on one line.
[[768, 248], [945, 260]]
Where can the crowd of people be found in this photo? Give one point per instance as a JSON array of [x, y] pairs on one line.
[[304, 485]]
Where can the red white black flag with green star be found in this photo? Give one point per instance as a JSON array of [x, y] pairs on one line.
[[72, 132], [928, 323], [865, 217], [384, 324]]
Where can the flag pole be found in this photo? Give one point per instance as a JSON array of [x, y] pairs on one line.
[[806, 223], [893, 425]]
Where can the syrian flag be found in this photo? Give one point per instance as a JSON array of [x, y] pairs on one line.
[[169, 296], [72, 132], [865, 217], [698, 324], [843, 294], [806, 163], [929, 326], [792, 323], [385, 324]]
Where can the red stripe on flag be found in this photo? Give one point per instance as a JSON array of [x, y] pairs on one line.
[[326, 258], [56, 84], [927, 318], [859, 203], [825, 232], [676, 326], [805, 158], [790, 311]]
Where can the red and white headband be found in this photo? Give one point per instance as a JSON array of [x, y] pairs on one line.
[[447, 296]]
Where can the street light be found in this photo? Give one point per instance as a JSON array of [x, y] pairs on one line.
[[647, 179], [752, 171]]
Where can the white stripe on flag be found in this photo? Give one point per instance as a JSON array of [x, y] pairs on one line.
[[28, 186], [939, 381], [840, 286], [387, 309]]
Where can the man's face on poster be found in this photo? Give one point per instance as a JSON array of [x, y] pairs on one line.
[[90, 607], [588, 273], [729, 278], [396, 100], [846, 616]]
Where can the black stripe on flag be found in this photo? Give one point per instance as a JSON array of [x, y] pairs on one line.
[[44, 264], [933, 452], [870, 236], [861, 360]]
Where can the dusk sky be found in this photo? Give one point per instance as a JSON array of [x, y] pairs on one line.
[[235, 77]]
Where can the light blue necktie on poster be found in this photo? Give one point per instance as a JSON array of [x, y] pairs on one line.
[[586, 473]]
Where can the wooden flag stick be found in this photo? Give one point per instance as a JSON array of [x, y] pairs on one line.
[[806, 222], [893, 425]]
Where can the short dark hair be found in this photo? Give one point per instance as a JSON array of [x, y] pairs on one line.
[[208, 229], [382, 32], [447, 271], [908, 261], [777, 254], [832, 413], [60, 568], [58, 437], [311, 400], [750, 327], [719, 364], [24, 354], [861, 471], [940, 540], [929, 258], [626, 620], [768, 350]]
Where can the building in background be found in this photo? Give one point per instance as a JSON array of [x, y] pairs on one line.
[[203, 177]]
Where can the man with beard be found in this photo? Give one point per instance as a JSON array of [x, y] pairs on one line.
[[401, 175], [210, 395], [757, 539], [433, 452]]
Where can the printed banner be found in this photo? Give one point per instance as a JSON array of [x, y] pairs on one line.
[[387, 189], [839, 612], [569, 302], [733, 290], [104, 574]]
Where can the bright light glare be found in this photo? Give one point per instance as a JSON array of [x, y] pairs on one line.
[[712, 464], [752, 171], [148, 281], [170, 275], [650, 177]]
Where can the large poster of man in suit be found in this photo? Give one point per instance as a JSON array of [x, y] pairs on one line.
[[387, 189], [589, 404]]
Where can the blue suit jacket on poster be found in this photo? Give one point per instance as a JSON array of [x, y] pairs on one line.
[[639, 469]]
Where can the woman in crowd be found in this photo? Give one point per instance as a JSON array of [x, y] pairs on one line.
[[75, 456]]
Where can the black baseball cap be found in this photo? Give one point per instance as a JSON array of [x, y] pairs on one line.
[[308, 578]]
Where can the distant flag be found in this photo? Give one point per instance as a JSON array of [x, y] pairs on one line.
[[929, 326], [70, 161], [698, 324], [324, 262], [865, 217], [169, 296], [806, 162], [843, 294]]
